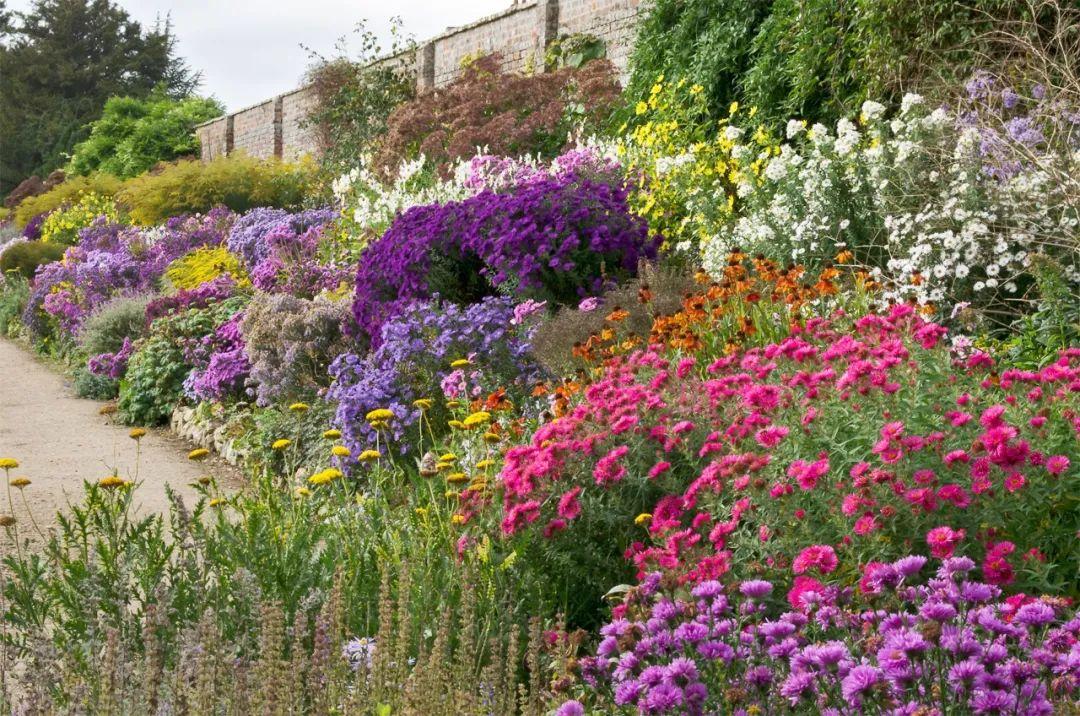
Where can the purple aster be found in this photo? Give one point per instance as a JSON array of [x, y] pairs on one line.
[[628, 693], [937, 611], [796, 686], [755, 588], [759, 676], [1035, 614], [691, 632], [682, 671], [571, 708], [976, 592], [955, 565], [859, 680], [708, 589], [713, 650], [663, 698], [993, 702], [652, 676], [909, 566], [964, 674]]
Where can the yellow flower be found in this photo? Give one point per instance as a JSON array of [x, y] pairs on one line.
[[8, 463], [421, 512], [205, 480], [641, 108], [447, 457], [380, 414], [450, 495], [440, 466], [332, 434], [299, 407], [281, 444], [20, 482], [733, 108], [198, 454], [696, 89], [6, 520], [301, 491], [340, 451], [477, 419], [325, 476], [458, 519], [423, 403], [107, 409], [112, 481], [136, 433], [379, 424], [456, 424], [453, 404], [217, 501], [456, 477], [484, 464], [461, 363], [368, 455], [642, 519], [492, 437]]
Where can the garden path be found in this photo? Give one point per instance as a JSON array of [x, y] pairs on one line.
[[61, 440]]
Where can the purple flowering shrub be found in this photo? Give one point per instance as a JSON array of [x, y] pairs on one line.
[[254, 234], [220, 366], [901, 647], [204, 295], [413, 361], [554, 238]]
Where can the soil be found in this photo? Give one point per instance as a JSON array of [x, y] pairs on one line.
[[61, 440]]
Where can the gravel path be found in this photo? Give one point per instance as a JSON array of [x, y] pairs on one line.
[[60, 441]]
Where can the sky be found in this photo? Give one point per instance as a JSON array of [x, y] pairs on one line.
[[250, 50]]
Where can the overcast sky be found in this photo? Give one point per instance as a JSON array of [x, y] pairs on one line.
[[249, 50]]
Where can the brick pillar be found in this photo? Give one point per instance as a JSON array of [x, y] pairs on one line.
[[279, 135], [229, 134], [548, 26], [425, 68]]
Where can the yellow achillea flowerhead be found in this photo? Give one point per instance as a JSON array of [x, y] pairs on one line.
[[299, 407], [6, 520], [325, 476], [456, 424], [301, 491], [111, 481], [368, 455], [340, 451], [477, 486], [453, 404], [484, 464], [20, 482], [642, 519], [281, 444], [461, 363], [136, 433], [456, 477], [332, 434], [457, 519], [423, 403], [440, 466], [217, 502], [447, 457], [492, 437], [450, 495], [8, 463], [477, 419], [380, 415], [198, 454], [107, 409], [421, 512]]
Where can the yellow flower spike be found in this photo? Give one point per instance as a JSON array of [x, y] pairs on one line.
[[302, 491], [332, 434], [6, 521], [456, 477], [281, 444], [20, 482], [477, 419], [198, 454], [111, 481], [8, 463], [380, 414], [456, 424], [642, 519], [340, 451], [217, 502], [299, 407], [423, 403], [457, 520], [137, 433]]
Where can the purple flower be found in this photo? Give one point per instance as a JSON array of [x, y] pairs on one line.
[[755, 588], [909, 566], [589, 304], [663, 698], [682, 671], [1035, 614], [796, 686], [570, 708], [859, 680]]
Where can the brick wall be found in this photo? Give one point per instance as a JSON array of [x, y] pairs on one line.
[[519, 34]]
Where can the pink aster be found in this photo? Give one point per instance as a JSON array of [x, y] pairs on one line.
[[821, 557]]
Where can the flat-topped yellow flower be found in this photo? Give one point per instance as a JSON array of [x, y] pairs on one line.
[[492, 437], [380, 414], [440, 466], [423, 403], [461, 363], [485, 463], [453, 404], [299, 407], [642, 519], [340, 451], [456, 424], [457, 519], [447, 457], [324, 476], [8, 463], [112, 481], [369, 455], [107, 409], [198, 454], [20, 482], [137, 433], [217, 502], [281, 444], [332, 434], [301, 491], [456, 477], [450, 495], [475, 420]]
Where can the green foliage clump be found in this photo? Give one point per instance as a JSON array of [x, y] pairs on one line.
[[238, 181], [69, 192], [133, 135], [815, 59], [14, 293], [106, 328], [24, 258], [94, 387], [154, 382]]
